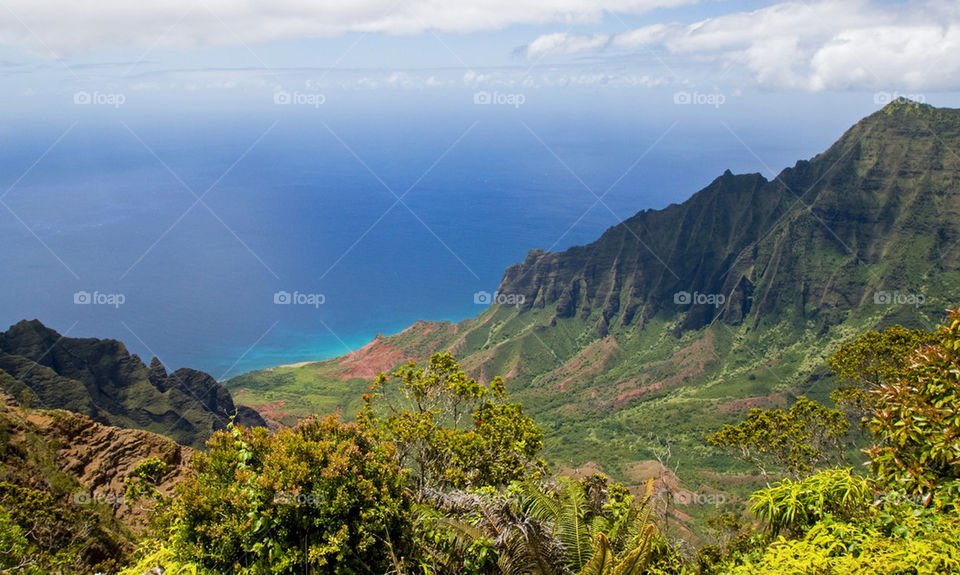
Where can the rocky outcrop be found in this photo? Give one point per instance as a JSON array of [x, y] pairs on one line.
[[57, 450], [101, 457], [101, 379]]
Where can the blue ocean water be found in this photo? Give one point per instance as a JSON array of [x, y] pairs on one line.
[[308, 205]]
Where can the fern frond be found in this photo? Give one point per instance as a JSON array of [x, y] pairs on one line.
[[603, 559]]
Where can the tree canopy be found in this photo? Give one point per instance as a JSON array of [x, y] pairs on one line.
[[450, 430]]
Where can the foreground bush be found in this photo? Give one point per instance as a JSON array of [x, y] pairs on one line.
[[320, 498]]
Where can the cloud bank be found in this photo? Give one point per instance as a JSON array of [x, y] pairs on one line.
[[826, 45], [68, 26]]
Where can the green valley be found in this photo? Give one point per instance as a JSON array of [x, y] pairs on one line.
[[610, 358]]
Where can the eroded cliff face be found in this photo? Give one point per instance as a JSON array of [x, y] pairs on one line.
[[101, 379], [810, 245], [82, 461], [634, 269]]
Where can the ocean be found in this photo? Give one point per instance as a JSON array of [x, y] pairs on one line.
[[298, 247]]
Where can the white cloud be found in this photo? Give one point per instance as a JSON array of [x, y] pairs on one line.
[[826, 45], [562, 42], [68, 26]]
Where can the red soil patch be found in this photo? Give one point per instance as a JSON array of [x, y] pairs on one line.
[[382, 356], [271, 412], [423, 327], [588, 469], [371, 359], [684, 364], [738, 479], [588, 362], [625, 397]]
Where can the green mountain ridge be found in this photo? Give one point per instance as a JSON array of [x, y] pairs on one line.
[[101, 379], [616, 369], [872, 191]]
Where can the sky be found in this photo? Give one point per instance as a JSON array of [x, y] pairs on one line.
[[619, 105], [221, 53]]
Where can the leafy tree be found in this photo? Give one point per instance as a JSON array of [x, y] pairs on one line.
[[904, 517], [324, 497], [450, 430], [15, 552], [863, 548], [798, 439], [871, 360], [733, 537], [916, 418], [797, 505], [836, 523]]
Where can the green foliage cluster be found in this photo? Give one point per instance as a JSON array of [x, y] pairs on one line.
[[904, 517], [872, 360], [450, 430], [798, 439], [590, 526], [42, 533], [838, 524], [324, 496], [795, 506], [916, 418], [439, 475]]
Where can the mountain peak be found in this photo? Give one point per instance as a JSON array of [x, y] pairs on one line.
[[902, 105], [893, 166]]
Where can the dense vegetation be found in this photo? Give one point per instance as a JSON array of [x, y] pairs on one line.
[[440, 474]]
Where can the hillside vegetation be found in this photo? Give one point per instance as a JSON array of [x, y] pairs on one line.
[[678, 321]]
